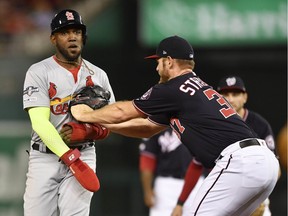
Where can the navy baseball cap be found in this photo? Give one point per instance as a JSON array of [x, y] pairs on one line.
[[175, 47], [231, 83]]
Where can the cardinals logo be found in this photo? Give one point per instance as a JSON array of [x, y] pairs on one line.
[[57, 107], [52, 90], [89, 81], [69, 15]]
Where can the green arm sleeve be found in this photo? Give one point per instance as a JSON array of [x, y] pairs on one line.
[[39, 117]]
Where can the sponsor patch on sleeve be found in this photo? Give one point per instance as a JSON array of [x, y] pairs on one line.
[[30, 90]]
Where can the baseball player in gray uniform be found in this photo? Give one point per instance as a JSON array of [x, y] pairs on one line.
[[65, 186]]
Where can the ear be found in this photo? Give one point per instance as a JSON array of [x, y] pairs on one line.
[[245, 97], [170, 61], [53, 39]]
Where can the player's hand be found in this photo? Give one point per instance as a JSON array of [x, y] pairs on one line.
[[66, 133], [177, 211], [149, 198], [74, 132], [78, 110], [82, 172]]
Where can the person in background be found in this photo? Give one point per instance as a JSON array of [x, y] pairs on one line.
[[233, 89], [163, 162]]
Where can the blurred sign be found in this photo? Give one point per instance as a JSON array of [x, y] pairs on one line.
[[13, 167], [212, 23]]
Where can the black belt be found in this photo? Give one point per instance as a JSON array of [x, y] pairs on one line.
[[36, 147], [243, 144], [249, 142]]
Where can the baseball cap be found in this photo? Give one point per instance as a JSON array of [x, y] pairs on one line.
[[173, 46], [231, 83]]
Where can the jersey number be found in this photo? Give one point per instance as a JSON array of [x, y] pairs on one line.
[[226, 112]]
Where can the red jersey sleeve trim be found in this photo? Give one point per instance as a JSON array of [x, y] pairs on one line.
[[147, 162]]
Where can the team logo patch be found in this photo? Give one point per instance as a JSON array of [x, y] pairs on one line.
[[30, 90], [146, 95], [52, 90], [231, 81], [69, 15]]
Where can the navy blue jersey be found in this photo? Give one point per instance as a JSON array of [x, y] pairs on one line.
[[204, 121], [261, 127], [172, 156]]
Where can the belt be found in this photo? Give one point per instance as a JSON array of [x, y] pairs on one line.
[[39, 147], [250, 142], [234, 147]]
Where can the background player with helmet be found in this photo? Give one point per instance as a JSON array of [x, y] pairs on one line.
[[163, 163], [65, 186], [196, 112]]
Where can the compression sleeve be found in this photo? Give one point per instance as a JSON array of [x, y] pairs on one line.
[[39, 117], [192, 175]]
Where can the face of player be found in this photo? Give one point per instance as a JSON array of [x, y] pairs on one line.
[[68, 43], [236, 98]]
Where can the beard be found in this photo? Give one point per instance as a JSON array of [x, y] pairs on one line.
[[69, 56]]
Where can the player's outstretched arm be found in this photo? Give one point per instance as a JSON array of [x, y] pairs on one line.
[[111, 114], [138, 127]]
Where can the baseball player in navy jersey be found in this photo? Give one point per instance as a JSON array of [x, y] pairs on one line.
[[65, 186], [244, 170], [234, 90], [163, 164]]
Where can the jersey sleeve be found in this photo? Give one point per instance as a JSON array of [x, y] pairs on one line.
[[160, 120], [156, 101], [262, 128], [35, 93]]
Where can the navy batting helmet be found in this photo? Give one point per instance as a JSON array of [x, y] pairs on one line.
[[67, 18]]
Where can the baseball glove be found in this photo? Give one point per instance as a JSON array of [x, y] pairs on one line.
[[93, 96]]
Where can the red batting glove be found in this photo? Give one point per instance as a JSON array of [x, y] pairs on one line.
[[73, 132], [82, 172]]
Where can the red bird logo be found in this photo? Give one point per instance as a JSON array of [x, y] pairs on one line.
[[89, 81], [52, 90]]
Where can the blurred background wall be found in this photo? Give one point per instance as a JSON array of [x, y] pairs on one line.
[[246, 38]]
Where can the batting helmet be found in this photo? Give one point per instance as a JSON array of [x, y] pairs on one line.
[[66, 18]]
